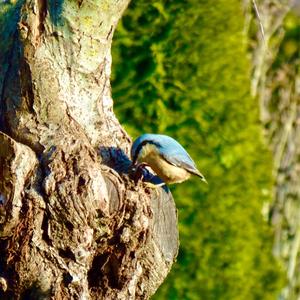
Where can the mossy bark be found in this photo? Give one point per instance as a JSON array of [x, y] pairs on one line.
[[72, 223]]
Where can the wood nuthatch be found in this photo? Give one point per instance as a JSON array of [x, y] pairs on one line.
[[166, 157]]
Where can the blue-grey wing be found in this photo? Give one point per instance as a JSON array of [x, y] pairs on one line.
[[183, 161]]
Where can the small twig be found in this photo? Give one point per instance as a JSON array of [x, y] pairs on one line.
[[259, 21]]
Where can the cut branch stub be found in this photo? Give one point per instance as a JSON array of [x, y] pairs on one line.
[[82, 232]]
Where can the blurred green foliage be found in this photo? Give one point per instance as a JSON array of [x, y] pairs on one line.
[[181, 68], [9, 16], [289, 51], [286, 40]]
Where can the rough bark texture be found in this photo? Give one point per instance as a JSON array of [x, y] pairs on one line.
[[278, 90], [73, 225]]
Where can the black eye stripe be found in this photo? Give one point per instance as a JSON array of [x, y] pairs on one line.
[[139, 148]]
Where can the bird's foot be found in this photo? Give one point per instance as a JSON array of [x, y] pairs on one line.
[[139, 172]]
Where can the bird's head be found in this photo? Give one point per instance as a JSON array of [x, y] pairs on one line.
[[141, 142]]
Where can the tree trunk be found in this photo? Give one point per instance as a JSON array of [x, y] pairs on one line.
[[277, 86], [73, 225]]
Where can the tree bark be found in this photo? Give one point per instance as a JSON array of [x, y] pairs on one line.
[[73, 225]]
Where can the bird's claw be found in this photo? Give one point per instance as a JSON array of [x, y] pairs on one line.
[[141, 173]]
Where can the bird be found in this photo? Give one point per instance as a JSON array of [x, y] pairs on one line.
[[165, 156]]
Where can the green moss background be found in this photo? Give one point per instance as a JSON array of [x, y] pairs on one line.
[[181, 68]]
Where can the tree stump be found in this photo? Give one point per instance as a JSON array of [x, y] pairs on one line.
[[73, 224]]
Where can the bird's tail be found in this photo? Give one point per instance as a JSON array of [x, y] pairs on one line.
[[199, 174]]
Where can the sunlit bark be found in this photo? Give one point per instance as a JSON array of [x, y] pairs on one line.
[[72, 223]]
